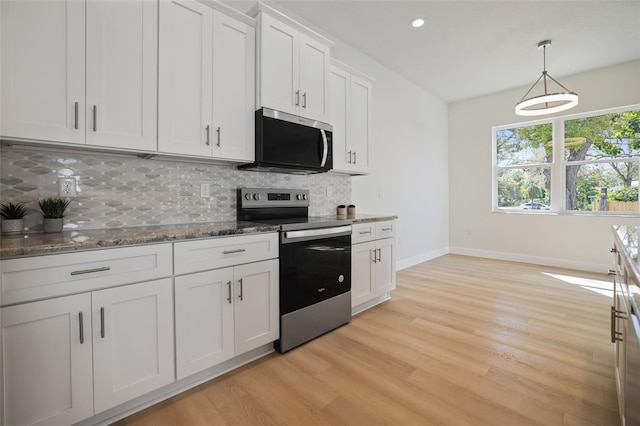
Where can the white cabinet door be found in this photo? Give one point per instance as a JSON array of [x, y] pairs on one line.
[[233, 126], [339, 82], [279, 66], [185, 78], [359, 124], [43, 76], [122, 50], [204, 320], [385, 266], [314, 79], [257, 309], [46, 361], [362, 273], [132, 341]]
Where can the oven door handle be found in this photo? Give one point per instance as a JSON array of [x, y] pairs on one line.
[[317, 233]]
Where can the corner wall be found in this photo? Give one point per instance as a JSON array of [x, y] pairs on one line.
[[571, 241]]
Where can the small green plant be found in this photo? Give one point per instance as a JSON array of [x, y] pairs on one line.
[[11, 211], [53, 207]]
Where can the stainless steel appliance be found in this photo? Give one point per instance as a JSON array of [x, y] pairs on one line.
[[291, 144], [315, 263]]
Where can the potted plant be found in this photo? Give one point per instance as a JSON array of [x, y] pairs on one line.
[[53, 209], [12, 217]]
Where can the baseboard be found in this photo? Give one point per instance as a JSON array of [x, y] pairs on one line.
[[415, 260], [536, 260]]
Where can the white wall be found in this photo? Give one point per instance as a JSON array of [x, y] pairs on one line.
[[558, 240], [409, 174]]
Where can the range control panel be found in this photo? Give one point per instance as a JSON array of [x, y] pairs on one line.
[[267, 197]]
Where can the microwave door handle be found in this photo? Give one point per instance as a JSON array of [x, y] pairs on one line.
[[325, 150]]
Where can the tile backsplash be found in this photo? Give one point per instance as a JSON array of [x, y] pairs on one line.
[[122, 190]]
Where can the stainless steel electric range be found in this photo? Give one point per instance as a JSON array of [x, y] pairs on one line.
[[315, 262]]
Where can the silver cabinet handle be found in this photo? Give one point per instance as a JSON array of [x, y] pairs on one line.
[[611, 272], [613, 250], [234, 251], [102, 322], [387, 229], [355, 159], [218, 131], [349, 161], [616, 314], [75, 113], [241, 290], [304, 100], [81, 328], [229, 298], [375, 258], [364, 232], [95, 118], [91, 271], [379, 255], [297, 97], [207, 131]]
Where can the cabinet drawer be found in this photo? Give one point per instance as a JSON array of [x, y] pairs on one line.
[[385, 229], [58, 274], [362, 232], [201, 255]]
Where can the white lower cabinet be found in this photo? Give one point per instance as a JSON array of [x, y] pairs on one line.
[[372, 261], [67, 358], [132, 341], [47, 361], [223, 313]]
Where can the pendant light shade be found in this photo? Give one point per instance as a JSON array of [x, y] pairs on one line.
[[546, 103]]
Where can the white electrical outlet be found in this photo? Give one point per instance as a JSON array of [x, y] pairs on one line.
[[67, 186], [205, 190]]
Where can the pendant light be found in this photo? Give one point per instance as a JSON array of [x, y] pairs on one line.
[[547, 103]]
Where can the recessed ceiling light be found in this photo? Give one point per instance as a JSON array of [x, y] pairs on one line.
[[417, 23]]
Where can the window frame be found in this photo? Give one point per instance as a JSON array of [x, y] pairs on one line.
[[558, 165]]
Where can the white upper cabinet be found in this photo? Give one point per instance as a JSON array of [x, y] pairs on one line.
[[122, 60], [293, 68], [46, 93], [43, 77], [234, 68], [351, 119], [185, 78], [206, 82]]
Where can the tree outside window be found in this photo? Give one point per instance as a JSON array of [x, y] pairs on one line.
[[598, 168]]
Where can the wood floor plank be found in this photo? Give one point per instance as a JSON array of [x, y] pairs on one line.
[[463, 341]]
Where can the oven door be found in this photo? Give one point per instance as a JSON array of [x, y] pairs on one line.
[[315, 265]]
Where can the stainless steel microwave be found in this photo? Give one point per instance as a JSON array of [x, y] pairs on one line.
[[290, 144]]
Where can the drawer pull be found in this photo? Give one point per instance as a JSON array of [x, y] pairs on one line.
[[241, 290], [387, 229], [91, 271], [81, 328], [364, 232], [229, 298], [234, 251], [611, 272]]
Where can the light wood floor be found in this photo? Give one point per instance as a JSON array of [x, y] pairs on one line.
[[463, 341]]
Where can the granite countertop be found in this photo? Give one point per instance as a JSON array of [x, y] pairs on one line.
[[31, 244]]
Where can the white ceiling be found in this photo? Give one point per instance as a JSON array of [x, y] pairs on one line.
[[471, 48]]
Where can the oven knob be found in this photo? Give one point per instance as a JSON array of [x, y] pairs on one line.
[[304, 196], [247, 196], [299, 196], [256, 197]]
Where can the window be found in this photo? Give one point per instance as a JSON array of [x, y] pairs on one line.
[[587, 163]]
